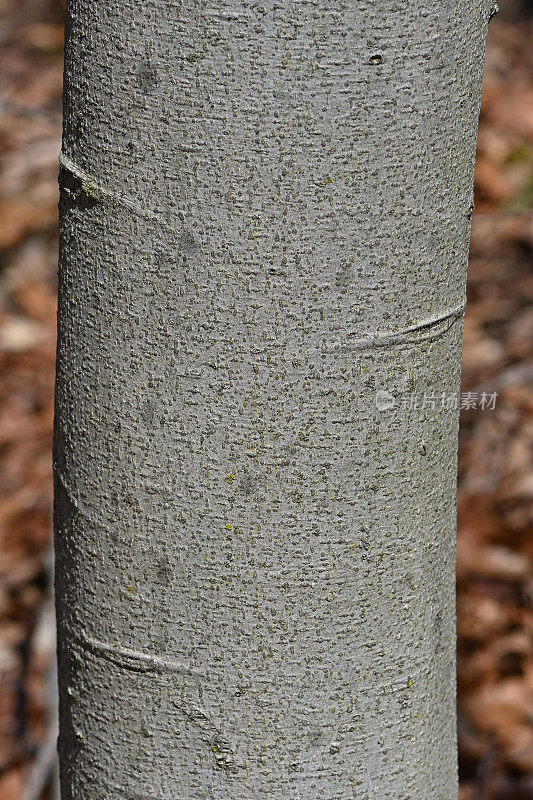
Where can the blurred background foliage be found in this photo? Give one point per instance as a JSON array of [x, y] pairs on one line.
[[495, 578]]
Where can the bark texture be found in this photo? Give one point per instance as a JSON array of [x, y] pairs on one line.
[[265, 214]]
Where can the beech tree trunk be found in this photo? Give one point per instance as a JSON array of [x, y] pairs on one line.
[[265, 216]]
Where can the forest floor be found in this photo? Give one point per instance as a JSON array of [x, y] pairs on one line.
[[495, 577]]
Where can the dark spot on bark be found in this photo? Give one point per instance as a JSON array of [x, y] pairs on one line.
[[128, 497], [377, 58], [470, 211], [147, 76], [163, 570], [247, 485], [494, 10], [188, 241], [316, 737], [148, 413], [343, 278]]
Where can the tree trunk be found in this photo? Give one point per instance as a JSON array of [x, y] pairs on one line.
[[265, 214]]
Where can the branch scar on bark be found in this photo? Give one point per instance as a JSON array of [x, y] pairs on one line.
[[78, 505], [99, 192], [135, 660], [423, 331]]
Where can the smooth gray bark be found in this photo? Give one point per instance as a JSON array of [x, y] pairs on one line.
[[265, 214]]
